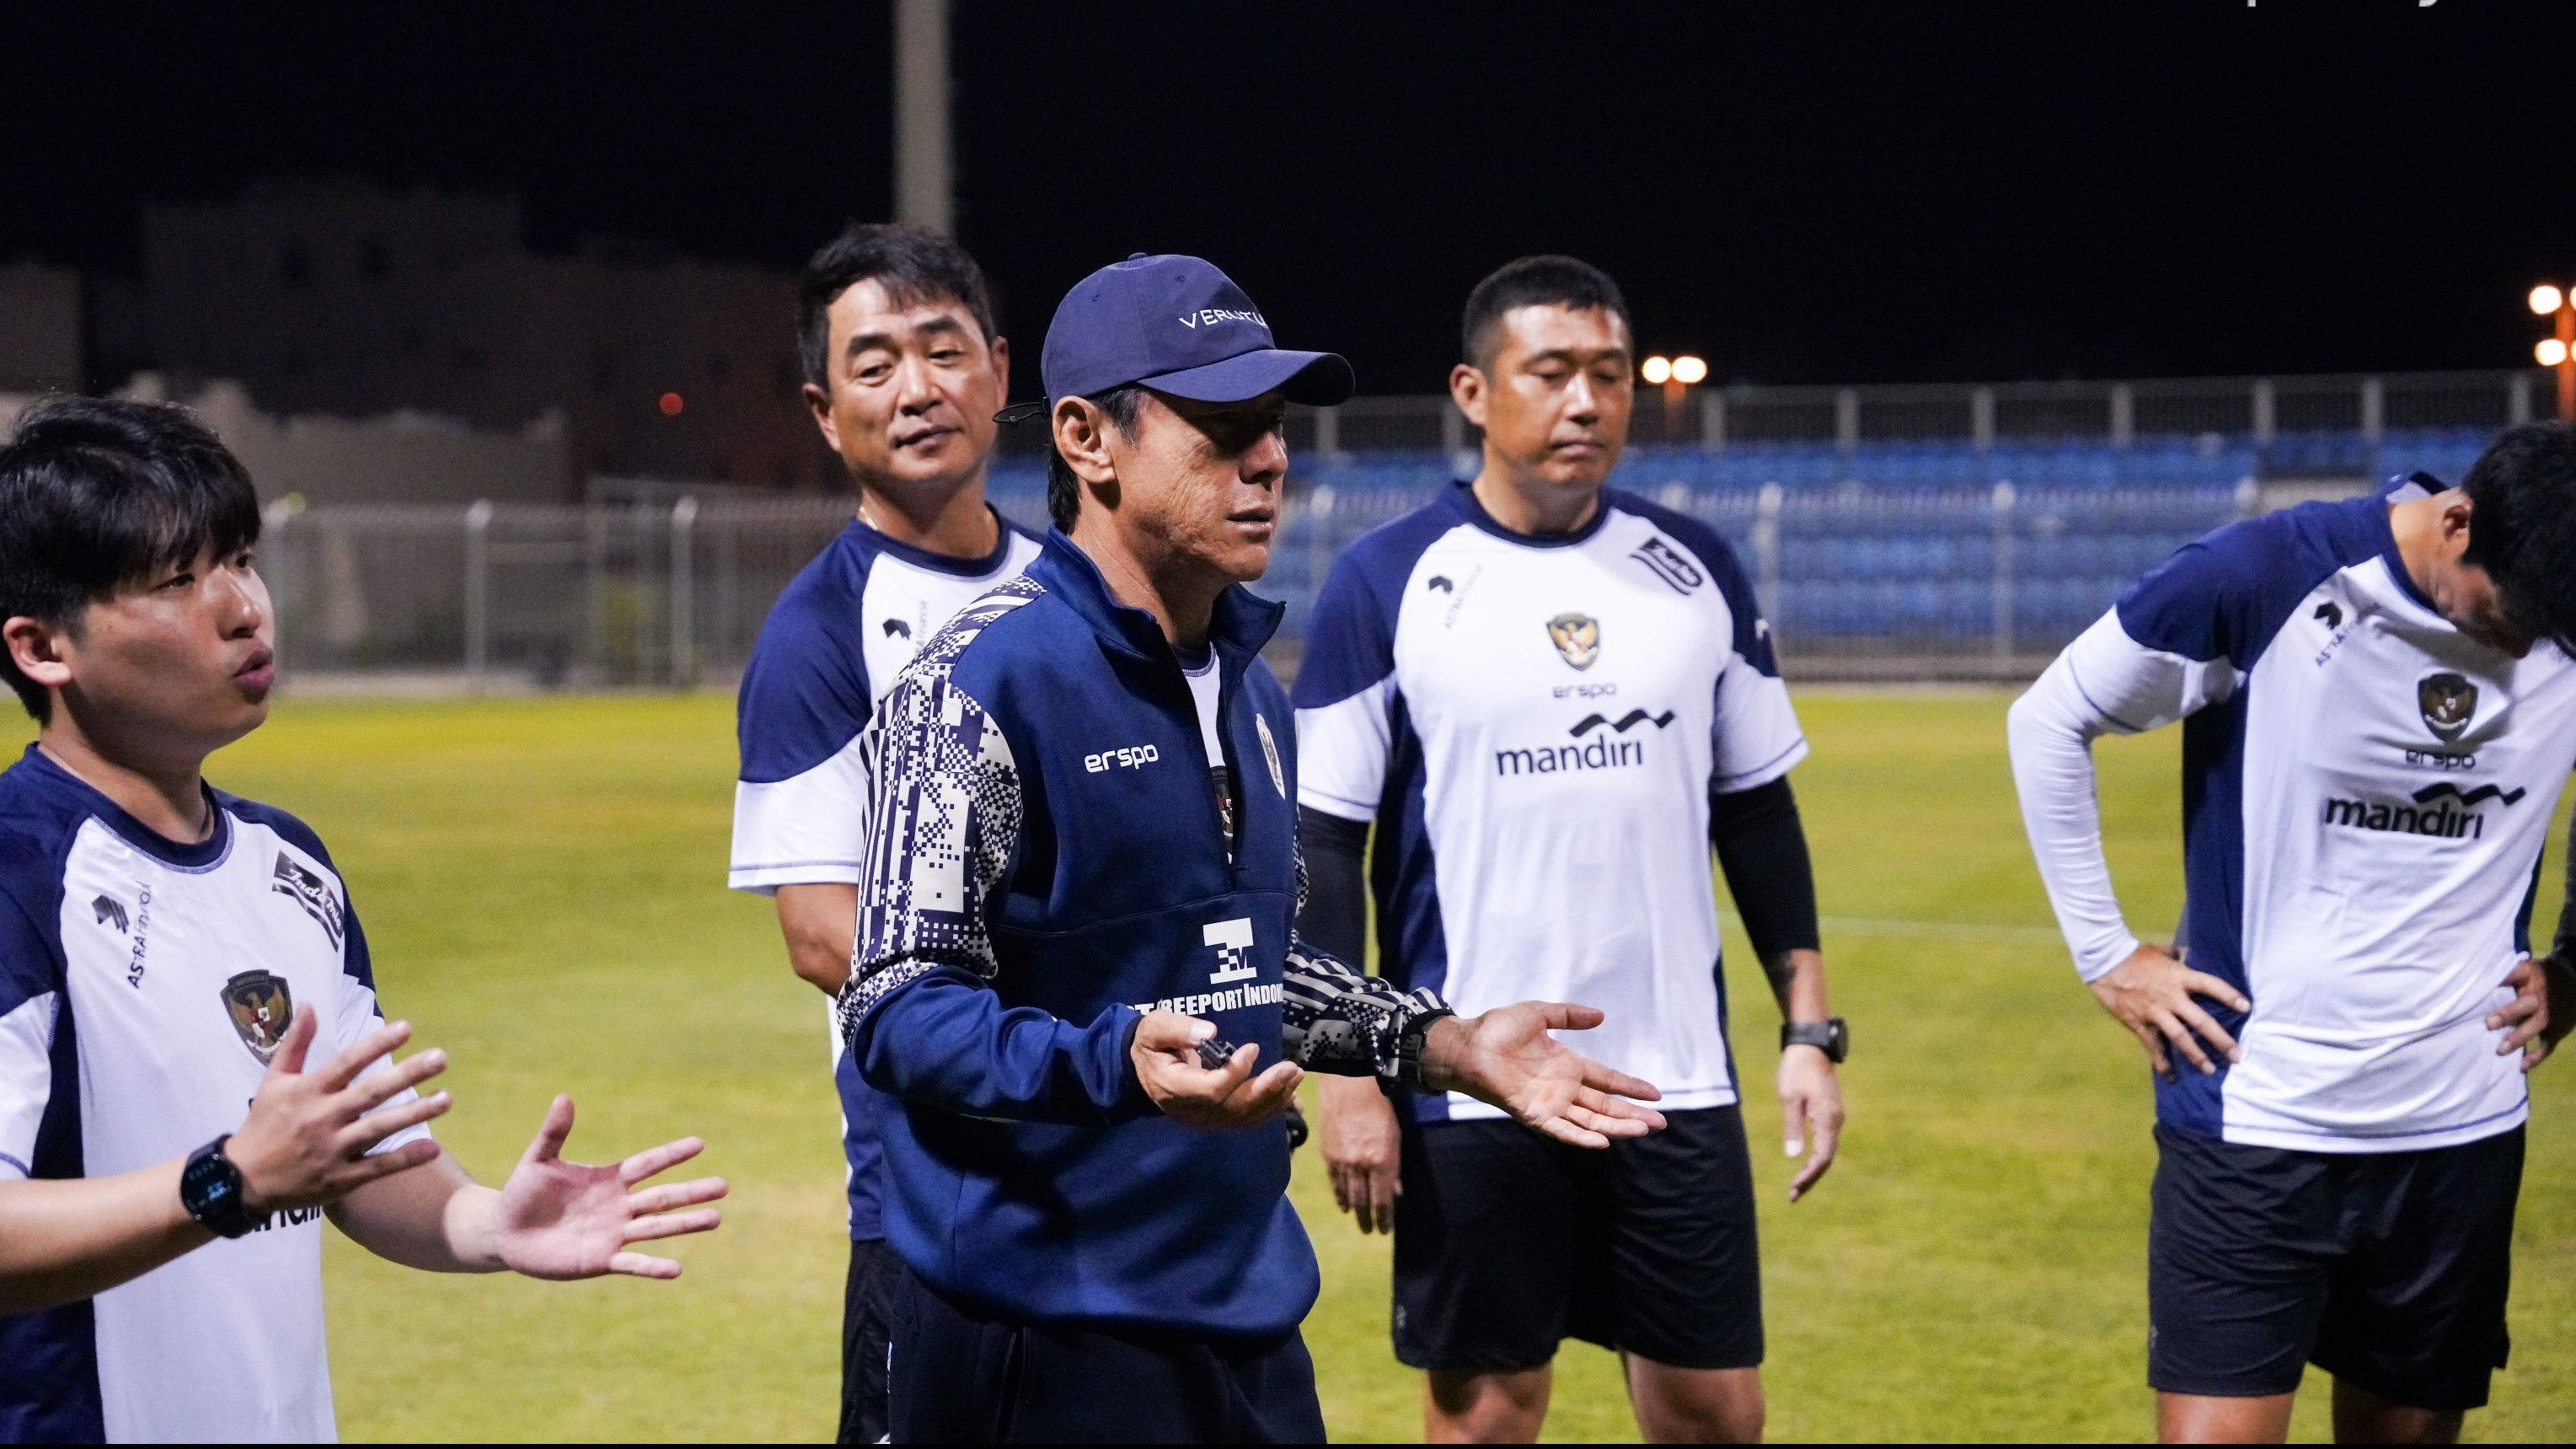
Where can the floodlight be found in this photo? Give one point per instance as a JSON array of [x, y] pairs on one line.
[[1655, 370], [1689, 369], [2551, 352], [2545, 299]]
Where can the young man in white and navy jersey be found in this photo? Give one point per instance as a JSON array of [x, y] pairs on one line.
[[904, 371], [2379, 710], [1551, 699], [193, 1067]]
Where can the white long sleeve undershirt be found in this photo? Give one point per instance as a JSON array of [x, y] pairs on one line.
[[2104, 683]]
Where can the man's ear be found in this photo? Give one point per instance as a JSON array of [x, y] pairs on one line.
[[2455, 524], [819, 403], [37, 648], [1467, 390], [1001, 350], [1082, 439]]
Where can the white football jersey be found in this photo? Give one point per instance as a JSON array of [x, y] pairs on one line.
[[1536, 726], [144, 987], [2366, 792]]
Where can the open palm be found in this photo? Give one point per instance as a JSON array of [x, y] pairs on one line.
[[1506, 1057], [562, 1219]]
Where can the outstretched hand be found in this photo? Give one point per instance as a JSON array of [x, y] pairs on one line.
[[560, 1219], [1506, 1057], [1165, 1054]]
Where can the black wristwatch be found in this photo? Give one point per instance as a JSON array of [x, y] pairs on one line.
[[1410, 1043], [210, 1188], [1829, 1036]]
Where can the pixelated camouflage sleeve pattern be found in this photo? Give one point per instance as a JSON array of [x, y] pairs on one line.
[[945, 813], [1345, 1022]]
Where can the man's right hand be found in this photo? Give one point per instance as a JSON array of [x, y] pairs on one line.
[[1356, 1131], [306, 1139], [2151, 994], [1166, 1056]]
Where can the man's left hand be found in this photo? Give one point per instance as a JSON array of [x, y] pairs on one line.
[[1507, 1058], [559, 1219], [1811, 1101], [2542, 1009]]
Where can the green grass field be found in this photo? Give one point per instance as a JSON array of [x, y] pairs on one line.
[[543, 885]]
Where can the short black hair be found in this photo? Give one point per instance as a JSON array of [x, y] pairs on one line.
[[98, 494], [1545, 281], [1064, 491], [913, 265], [2522, 526]]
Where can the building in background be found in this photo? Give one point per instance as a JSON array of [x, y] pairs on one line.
[[344, 299]]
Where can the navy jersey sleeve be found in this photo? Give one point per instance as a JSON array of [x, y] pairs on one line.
[[30, 997], [801, 799], [1346, 677]]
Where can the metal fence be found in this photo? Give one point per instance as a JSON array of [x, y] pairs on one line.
[[1858, 582], [1894, 532]]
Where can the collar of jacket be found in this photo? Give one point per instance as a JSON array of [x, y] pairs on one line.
[[1241, 624]]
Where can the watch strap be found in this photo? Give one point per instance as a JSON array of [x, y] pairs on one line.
[[1829, 1036]]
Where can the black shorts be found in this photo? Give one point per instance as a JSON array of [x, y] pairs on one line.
[[962, 1376], [1506, 1242], [867, 1306], [2386, 1269]]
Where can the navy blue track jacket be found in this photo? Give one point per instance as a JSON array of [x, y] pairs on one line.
[[1046, 860]]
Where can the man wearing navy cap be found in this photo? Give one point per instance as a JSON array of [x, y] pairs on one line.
[[1076, 969]]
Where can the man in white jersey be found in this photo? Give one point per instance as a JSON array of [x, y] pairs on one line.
[[2378, 709], [1551, 698], [193, 1070], [904, 371]]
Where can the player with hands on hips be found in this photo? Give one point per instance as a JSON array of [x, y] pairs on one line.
[[2378, 705], [193, 1067]]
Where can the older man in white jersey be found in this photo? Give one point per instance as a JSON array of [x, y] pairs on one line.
[[1551, 699], [2379, 710]]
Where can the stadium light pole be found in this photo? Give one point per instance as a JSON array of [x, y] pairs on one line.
[[924, 156], [2559, 351]]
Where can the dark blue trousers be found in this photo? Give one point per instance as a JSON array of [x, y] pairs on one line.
[[961, 1376]]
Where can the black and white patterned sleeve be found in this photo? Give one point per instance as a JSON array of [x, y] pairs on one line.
[[1345, 1022], [944, 817]]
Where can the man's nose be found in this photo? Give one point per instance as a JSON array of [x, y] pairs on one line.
[[238, 600], [1266, 461], [1582, 401], [913, 389]]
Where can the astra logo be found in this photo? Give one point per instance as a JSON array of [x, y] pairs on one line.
[[897, 628], [1633, 718], [2330, 614], [1441, 582], [2440, 810], [1210, 316]]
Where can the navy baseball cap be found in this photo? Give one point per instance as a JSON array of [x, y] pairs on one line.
[[1177, 325]]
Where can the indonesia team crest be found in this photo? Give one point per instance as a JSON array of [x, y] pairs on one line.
[[2449, 702], [1577, 637], [260, 1007]]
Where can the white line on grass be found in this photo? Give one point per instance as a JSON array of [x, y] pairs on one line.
[[1942, 930]]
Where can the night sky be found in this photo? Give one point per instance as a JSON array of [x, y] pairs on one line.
[[1809, 192]]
